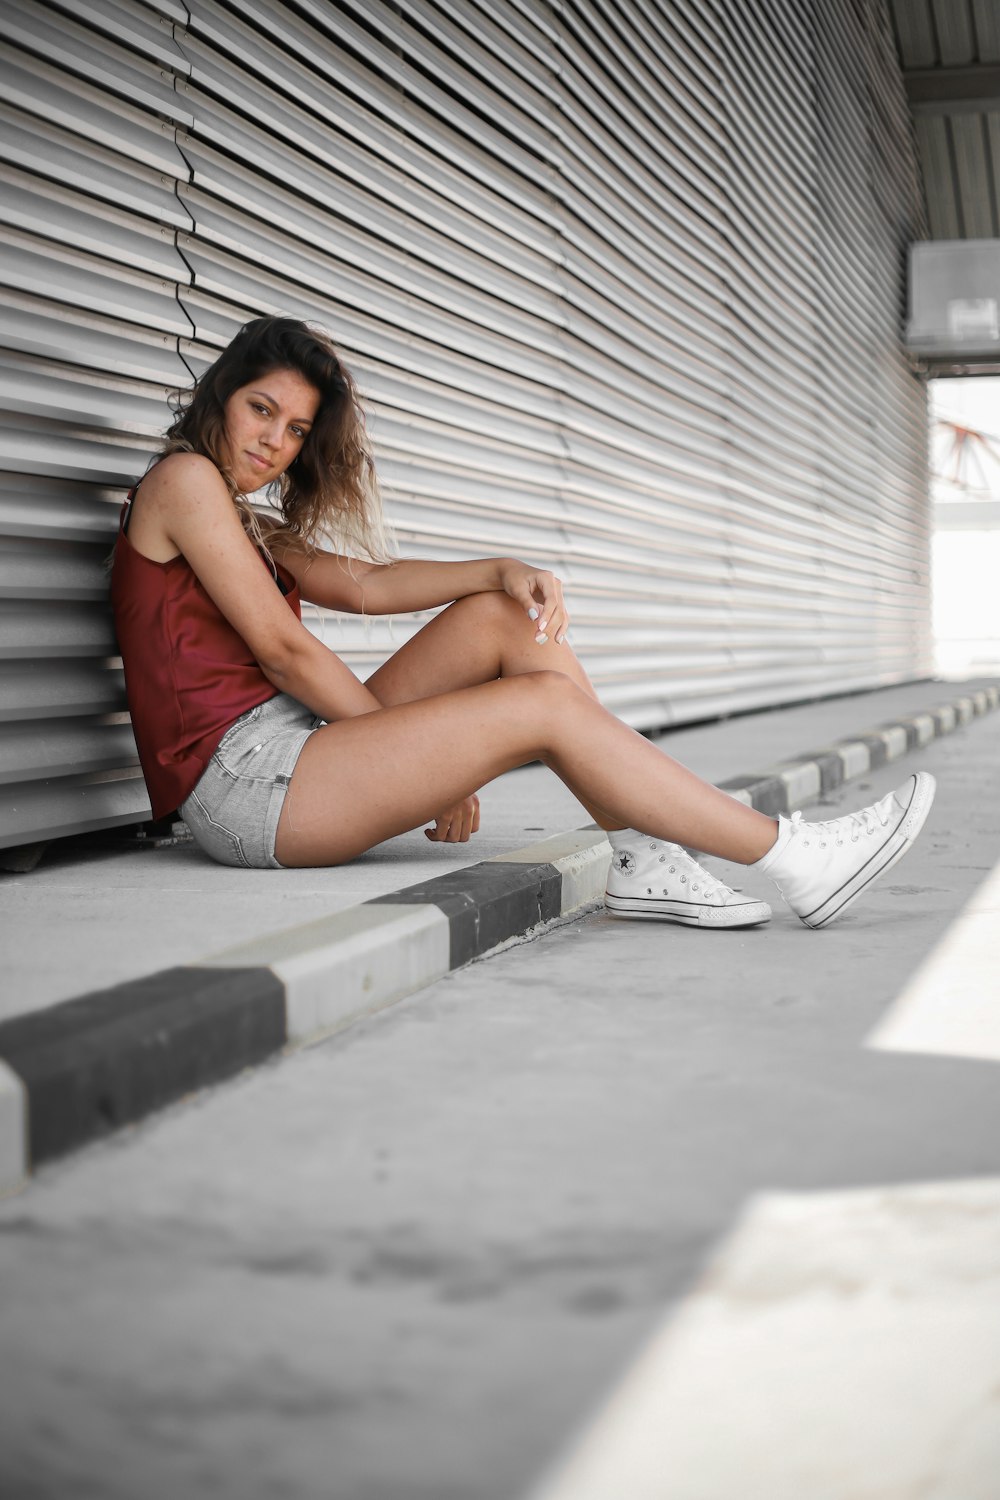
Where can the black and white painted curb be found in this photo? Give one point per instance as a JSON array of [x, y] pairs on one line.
[[80, 1069], [796, 783]]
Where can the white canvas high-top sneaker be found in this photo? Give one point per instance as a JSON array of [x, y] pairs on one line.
[[661, 882], [820, 868]]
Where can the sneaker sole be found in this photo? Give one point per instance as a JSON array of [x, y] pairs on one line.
[[892, 850], [748, 914]]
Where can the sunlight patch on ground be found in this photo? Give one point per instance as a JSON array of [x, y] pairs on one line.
[[840, 1346]]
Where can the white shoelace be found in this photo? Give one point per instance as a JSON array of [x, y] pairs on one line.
[[708, 884], [866, 821]]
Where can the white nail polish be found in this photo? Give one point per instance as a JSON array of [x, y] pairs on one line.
[[560, 639], [540, 640], [542, 624], [532, 614]]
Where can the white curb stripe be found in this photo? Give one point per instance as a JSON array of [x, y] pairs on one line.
[[894, 739], [840, 1344], [741, 796], [803, 783], [856, 758], [925, 726], [950, 1006], [581, 857], [948, 718], [15, 1164], [349, 964]]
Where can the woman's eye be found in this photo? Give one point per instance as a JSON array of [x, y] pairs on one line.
[[298, 432], [261, 409]]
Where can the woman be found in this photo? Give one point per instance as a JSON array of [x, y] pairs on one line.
[[277, 755]]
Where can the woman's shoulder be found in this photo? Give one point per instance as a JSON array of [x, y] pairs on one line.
[[186, 482], [181, 468]]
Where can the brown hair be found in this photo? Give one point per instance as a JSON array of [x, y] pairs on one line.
[[330, 489]]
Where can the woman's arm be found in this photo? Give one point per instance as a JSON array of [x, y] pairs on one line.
[[401, 587], [193, 511]]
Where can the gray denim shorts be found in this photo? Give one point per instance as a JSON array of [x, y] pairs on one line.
[[234, 809]]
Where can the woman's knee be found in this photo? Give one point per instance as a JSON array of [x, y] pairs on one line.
[[549, 686], [492, 610]]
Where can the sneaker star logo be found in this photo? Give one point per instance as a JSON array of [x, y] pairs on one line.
[[625, 862]]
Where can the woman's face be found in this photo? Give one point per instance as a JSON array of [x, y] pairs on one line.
[[267, 422]]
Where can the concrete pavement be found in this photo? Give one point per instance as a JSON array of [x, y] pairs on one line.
[[137, 977], [630, 1210]]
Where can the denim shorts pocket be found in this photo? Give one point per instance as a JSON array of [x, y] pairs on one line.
[[241, 723], [217, 841]]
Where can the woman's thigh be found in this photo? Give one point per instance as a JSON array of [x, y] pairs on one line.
[[359, 781], [477, 639]]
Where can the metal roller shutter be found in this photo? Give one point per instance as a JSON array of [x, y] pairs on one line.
[[89, 345], [621, 281]]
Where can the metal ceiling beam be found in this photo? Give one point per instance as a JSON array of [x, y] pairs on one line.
[[952, 91]]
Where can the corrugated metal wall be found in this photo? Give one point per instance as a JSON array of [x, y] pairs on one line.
[[622, 282]]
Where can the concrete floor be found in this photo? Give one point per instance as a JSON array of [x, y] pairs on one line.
[[86, 917], [411, 1263]]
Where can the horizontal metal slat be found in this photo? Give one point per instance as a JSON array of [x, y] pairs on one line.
[[69, 398], [63, 275], [357, 105], [130, 25], [53, 212], [51, 690], [95, 458], [57, 510], [59, 570], [39, 810], [343, 261], [58, 39], [65, 102], [30, 752], [72, 335], [36, 629], [51, 151]]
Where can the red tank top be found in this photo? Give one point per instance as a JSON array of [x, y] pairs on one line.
[[188, 675]]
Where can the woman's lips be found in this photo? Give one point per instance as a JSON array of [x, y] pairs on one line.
[[258, 462]]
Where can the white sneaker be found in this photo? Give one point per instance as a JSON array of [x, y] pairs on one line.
[[661, 882], [820, 868]]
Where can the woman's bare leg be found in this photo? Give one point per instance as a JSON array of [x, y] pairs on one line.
[[365, 779], [475, 640]]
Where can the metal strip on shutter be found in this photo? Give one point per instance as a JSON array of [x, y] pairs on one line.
[[621, 281]]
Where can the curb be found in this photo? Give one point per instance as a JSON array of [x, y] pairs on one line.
[[76, 1071], [795, 783]]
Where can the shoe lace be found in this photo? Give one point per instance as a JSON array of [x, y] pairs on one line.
[[865, 821], [711, 886]]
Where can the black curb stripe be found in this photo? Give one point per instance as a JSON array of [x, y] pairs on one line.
[[769, 794], [912, 732], [509, 898], [830, 767], [108, 1058], [877, 751]]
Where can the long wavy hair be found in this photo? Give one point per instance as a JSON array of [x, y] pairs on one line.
[[330, 490]]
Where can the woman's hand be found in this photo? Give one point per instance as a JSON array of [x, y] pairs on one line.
[[540, 594], [455, 825]]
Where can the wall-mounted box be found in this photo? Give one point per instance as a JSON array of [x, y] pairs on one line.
[[954, 306]]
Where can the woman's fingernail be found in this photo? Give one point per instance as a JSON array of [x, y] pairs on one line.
[[542, 624], [560, 638], [532, 614], [540, 640]]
